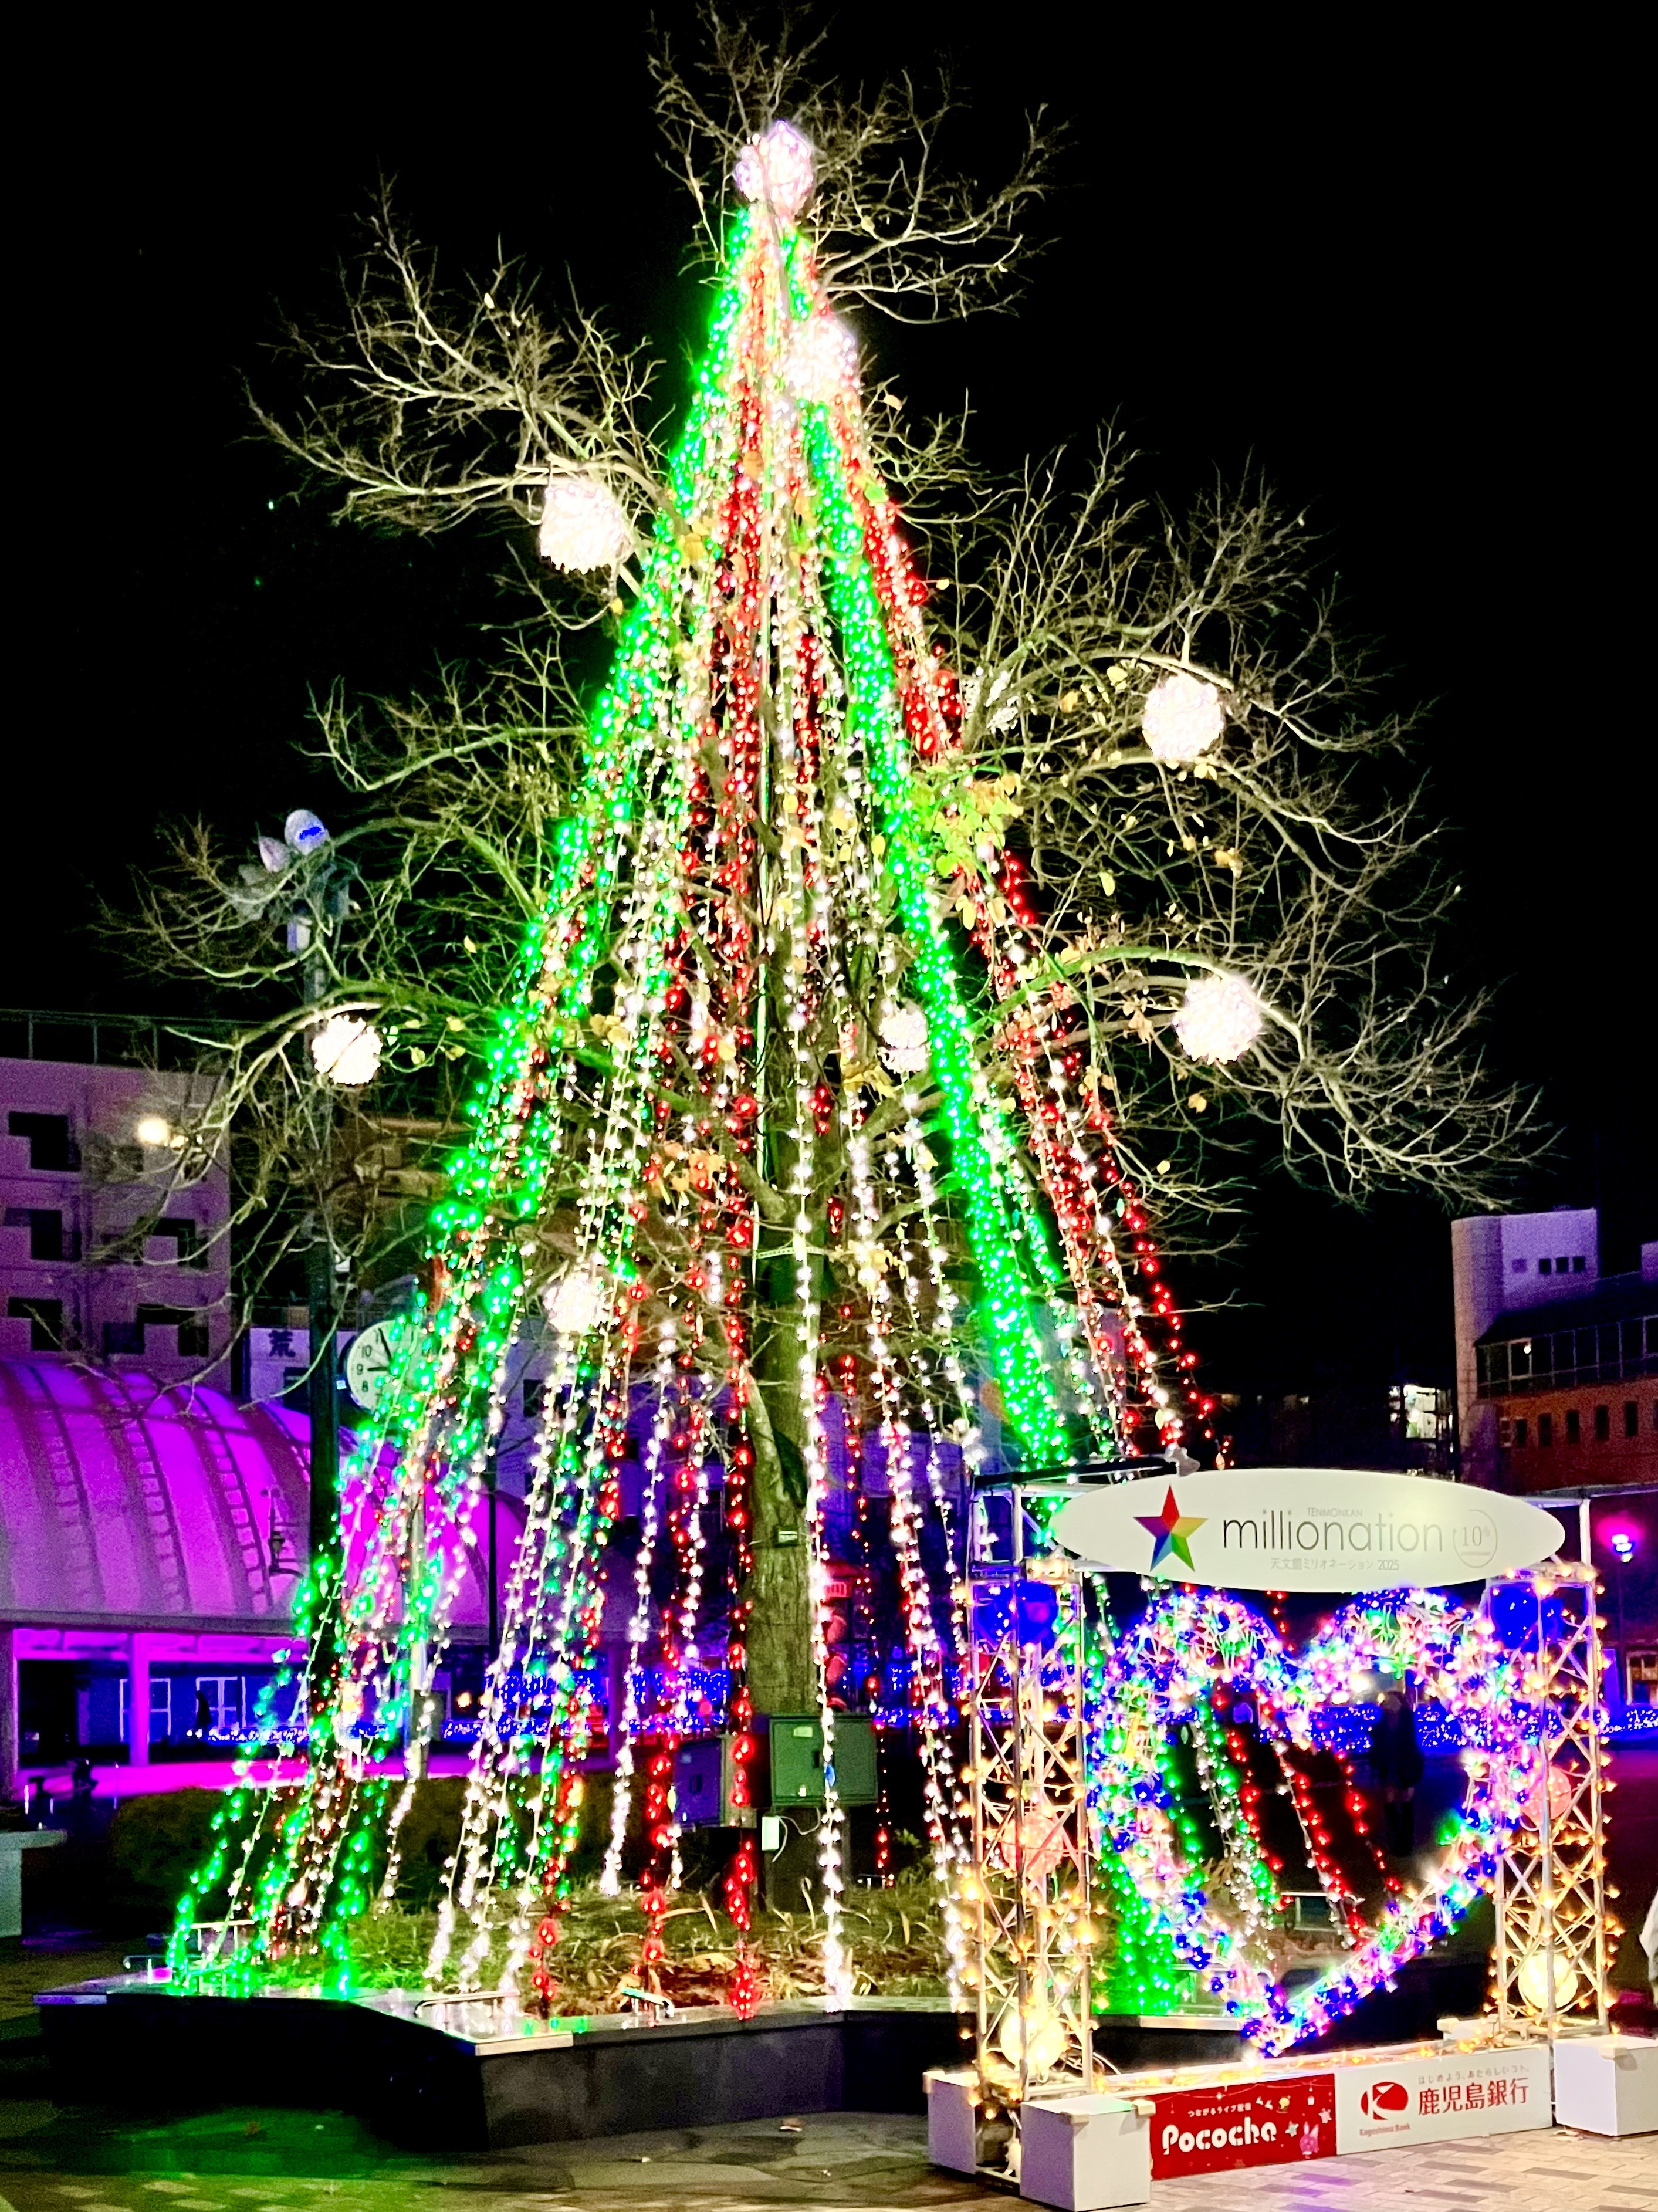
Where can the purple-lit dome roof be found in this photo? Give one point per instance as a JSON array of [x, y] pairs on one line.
[[124, 1500]]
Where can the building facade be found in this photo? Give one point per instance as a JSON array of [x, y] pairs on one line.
[[1556, 1364], [112, 1248]]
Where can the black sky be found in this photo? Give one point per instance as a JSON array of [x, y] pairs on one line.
[[1387, 262]]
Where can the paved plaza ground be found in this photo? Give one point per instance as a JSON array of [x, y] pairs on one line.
[[253, 2158]]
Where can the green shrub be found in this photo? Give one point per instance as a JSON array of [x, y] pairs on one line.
[[157, 1841]]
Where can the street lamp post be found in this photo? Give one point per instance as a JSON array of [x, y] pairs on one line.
[[323, 897], [311, 898]]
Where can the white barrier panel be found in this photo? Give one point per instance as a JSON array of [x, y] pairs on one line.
[[1083, 2153], [952, 2118], [1441, 2100], [1606, 2084]]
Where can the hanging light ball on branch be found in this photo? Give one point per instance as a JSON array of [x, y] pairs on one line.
[[777, 167], [575, 1304], [583, 526], [346, 1051], [904, 1039], [1220, 1018], [821, 361], [1182, 718]]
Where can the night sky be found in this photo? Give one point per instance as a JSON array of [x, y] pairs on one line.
[[1387, 271]]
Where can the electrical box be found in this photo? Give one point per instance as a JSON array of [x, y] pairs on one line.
[[797, 1760], [703, 1774]]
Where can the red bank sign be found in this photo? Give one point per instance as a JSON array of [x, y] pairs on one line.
[[1266, 2123]]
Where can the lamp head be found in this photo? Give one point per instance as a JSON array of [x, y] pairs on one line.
[[303, 833]]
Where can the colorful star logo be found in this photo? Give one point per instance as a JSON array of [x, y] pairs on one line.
[[1172, 1531]]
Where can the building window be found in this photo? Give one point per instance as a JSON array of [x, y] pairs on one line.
[[51, 1149], [1544, 1430], [1579, 1265], [1561, 1266], [1521, 1435], [46, 1319], [1602, 1424], [1632, 1418], [1544, 1266], [161, 1710], [186, 1236], [47, 1237], [128, 1336], [223, 1695], [1574, 1431], [191, 1327], [1518, 1267]]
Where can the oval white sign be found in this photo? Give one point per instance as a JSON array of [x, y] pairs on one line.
[[1333, 1528]]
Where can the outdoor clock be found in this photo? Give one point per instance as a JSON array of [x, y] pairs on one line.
[[367, 1362]]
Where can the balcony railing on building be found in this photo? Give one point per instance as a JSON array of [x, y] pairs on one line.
[[1611, 1352]]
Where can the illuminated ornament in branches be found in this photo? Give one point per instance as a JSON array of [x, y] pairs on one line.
[[1220, 1018], [821, 360], [346, 1051], [583, 526], [904, 1039], [778, 168], [1182, 717], [575, 1304]]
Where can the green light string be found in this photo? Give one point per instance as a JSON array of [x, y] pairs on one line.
[[1145, 1974], [486, 1193], [1014, 1345], [1242, 1846]]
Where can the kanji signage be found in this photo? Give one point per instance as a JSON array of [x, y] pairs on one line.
[[1441, 2098]]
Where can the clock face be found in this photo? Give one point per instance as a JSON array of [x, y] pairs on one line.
[[367, 1362]]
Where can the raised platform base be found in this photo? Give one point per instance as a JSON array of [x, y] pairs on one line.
[[1108, 2146], [444, 2074]]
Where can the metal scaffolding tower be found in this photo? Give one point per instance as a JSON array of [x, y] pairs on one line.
[[1551, 1957]]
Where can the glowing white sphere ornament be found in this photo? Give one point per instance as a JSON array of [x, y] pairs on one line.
[[1220, 1018], [346, 1051], [821, 361], [576, 1303], [1038, 2037], [777, 167], [1182, 718], [904, 1039], [1534, 1980], [583, 526]]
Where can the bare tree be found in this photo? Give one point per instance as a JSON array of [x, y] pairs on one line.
[[1296, 852], [1287, 857]]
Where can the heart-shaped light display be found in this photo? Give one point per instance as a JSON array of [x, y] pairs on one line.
[[1190, 1642]]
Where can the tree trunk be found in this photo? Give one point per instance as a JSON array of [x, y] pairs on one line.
[[781, 1677]]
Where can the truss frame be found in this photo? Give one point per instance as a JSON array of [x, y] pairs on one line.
[[1551, 1963]]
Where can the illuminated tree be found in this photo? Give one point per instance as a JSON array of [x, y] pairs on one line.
[[897, 895]]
